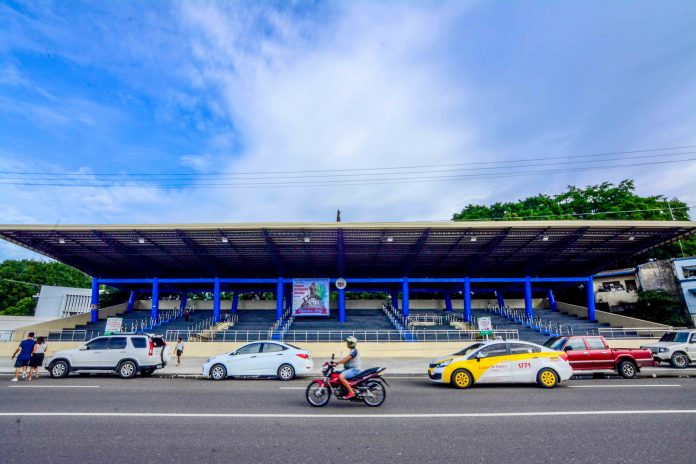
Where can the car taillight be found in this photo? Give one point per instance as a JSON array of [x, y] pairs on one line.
[[563, 356], [152, 347], [302, 355]]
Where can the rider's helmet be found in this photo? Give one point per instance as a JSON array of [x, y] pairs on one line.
[[351, 341]]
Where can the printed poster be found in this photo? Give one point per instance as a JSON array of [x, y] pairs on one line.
[[310, 297]]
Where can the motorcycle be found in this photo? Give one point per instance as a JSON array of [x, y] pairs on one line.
[[368, 387]]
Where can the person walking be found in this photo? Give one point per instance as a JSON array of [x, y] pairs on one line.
[[37, 357], [179, 350], [186, 314], [25, 348]]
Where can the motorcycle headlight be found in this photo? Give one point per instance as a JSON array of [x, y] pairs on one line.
[[445, 363]]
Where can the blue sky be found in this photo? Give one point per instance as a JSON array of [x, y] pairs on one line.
[[193, 89]]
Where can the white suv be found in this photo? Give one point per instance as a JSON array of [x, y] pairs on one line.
[[125, 354], [677, 348]]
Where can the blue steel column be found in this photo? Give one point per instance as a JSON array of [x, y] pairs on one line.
[[154, 312], [501, 298], [235, 302], [404, 297], [279, 299], [395, 299], [591, 316], [94, 317], [131, 302], [448, 302], [552, 301], [529, 310], [341, 305], [216, 299], [467, 299], [184, 300]]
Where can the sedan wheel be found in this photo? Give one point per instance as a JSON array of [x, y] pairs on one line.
[[286, 372], [461, 379], [547, 378], [218, 372]]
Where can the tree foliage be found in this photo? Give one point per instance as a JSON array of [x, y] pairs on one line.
[[21, 280], [659, 306], [604, 201]]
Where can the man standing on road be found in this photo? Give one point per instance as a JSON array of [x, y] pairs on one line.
[[352, 366], [25, 348]]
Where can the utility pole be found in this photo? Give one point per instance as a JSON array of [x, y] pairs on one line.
[[671, 213]]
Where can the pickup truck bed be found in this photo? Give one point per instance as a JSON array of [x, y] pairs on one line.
[[592, 355]]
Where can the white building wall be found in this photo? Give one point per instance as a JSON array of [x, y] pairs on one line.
[[58, 302]]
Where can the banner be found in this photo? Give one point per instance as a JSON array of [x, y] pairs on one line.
[[484, 325], [310, 297], [113, 325]]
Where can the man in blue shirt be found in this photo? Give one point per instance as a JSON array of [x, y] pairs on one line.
[[24, 349]]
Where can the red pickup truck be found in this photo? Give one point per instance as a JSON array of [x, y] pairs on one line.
[[592, 355]]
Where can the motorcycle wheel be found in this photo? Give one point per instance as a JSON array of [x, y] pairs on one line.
[[379, 394], [318, 395]]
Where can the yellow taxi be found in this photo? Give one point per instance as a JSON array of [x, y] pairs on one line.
[[500, 361]]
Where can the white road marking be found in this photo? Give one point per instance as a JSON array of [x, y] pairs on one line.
[[661, 385], [350, 416], [54, 386]]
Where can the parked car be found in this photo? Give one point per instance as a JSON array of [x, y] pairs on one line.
[[677, 348], [592, 355], [498, 361], [265, 358], [124, 354]]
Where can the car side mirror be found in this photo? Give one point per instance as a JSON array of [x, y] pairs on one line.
[[234, 353], [84, 348], [479, 356], [568, 348]]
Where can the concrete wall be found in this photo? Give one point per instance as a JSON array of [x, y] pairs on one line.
[[658, 275], [323, 351], [614, 320]]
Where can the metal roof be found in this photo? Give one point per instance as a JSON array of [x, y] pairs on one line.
[[414, 249]]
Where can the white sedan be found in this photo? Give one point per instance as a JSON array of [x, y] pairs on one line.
[[266, 358]]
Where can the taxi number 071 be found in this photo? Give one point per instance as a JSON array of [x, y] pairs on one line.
[[524, 365]]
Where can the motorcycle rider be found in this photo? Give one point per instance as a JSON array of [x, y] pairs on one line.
[[351, 364]]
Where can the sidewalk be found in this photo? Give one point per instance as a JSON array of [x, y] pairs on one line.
[[191, 367]]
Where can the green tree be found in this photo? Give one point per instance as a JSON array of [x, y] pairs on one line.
[[604, 201], [20, 280]]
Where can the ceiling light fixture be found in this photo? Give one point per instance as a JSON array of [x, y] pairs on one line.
[[141, 240], [631, 238], [545, 238], [224, 240], [306, 239], [473, 239], [61, 240], [390, 239]]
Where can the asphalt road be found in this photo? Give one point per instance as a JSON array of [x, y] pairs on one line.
[[105, 419]]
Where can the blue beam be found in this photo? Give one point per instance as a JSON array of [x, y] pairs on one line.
[[448, 302], [131, 302], [154, 312], [341, 305], [395, 299], [235, 302], [279, 299], [528, 297], [94, 316], [404, 297], [216, 300], [501, 298], [466, 293], [552, 300], [591, 315]]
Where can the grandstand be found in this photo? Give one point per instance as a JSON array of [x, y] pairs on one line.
[[520, 261]]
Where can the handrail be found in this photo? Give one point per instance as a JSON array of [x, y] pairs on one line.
[[631, 332], [337, 335]]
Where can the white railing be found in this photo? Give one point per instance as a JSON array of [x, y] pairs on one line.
[[6, 335], [631, 332], [338, 335]]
